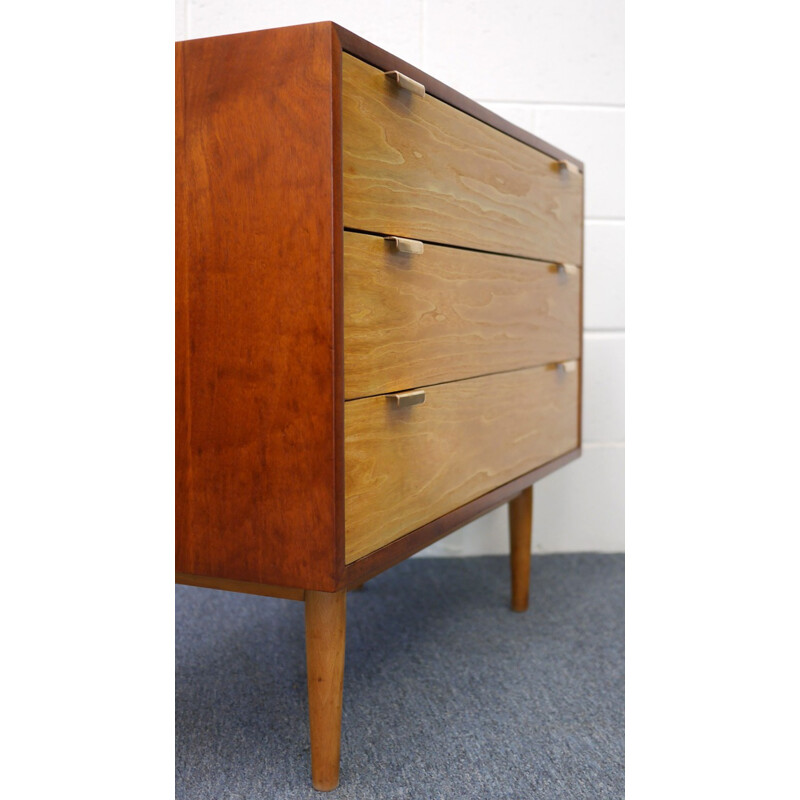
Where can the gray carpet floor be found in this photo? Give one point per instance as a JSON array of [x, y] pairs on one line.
[[447, 693]]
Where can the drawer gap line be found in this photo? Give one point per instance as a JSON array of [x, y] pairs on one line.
[[461, 380], [460, 247]]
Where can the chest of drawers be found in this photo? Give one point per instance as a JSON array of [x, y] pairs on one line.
[[378, 324]]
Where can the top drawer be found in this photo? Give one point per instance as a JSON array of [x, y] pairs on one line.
[[419, 168]]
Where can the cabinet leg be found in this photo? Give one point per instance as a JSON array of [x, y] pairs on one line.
[[325, 626], [520, 520]]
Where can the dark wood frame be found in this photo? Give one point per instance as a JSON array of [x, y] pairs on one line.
[[227, 212]]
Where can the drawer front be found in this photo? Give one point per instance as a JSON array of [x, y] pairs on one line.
[[407, 466], [419, 168], [448, 314]]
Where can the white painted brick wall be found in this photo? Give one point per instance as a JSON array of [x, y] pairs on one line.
[[556, 68]]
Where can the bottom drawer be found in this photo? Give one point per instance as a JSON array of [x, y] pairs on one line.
[[406, 466]]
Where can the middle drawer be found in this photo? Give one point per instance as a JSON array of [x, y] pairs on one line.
[[447, 314]]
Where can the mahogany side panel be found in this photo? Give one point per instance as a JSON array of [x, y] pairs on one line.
[[258, 389], [182, 345], [338, 296]]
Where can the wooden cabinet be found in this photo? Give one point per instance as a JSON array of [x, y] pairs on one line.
[[378, 320]]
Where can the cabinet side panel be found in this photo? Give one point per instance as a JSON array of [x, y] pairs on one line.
[[256, 454], [182, 408]]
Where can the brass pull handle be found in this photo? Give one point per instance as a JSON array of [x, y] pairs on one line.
[[568, 167], [407, 245], [568, 269], [404, 82], [405, 399], [567, 366]]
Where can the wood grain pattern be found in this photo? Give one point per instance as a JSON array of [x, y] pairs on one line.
[[520, 529], [386, 61], [325, 644], [406, 546], [405, 467], [256, 368], [419, 168], [414, 320]]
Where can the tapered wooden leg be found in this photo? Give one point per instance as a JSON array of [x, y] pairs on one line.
[[325, 626], [520, 520]]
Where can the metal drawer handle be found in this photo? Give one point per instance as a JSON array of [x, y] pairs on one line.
[[567, 366], [406, 245], [404, 82], [568, 167], [568, 269], [405, 399]]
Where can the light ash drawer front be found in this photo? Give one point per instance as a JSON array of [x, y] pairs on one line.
[[419, 168], [448, 314], [406, 466]]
